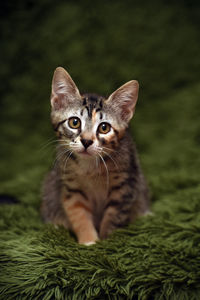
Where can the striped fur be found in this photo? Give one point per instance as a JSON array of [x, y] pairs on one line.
[[97, 184]]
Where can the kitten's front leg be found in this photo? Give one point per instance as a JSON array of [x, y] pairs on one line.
[[80, 219], [117, 215]]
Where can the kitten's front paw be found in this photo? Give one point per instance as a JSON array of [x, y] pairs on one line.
[[89, 243], [88, 240]]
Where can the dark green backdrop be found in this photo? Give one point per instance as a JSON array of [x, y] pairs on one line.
[[102, 44]]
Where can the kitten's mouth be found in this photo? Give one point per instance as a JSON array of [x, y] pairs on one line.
[[85, 152]]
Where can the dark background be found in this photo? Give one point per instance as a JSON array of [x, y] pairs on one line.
[[102, 44]]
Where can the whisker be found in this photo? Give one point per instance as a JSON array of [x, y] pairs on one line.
[[111, 150], [114, 152], [111, 158], [46, 144], [60, 155], [101, 149], [60, 143], [75, 146], [96, 162], [107, 173], [67, 159], [97, 167], [63, 143]]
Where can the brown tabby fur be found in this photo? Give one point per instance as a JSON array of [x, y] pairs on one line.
[[93, 189]]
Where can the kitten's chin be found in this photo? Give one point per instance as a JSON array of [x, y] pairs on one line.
[[85, 154]]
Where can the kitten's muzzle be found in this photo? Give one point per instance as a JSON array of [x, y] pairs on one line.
[[86, 143]]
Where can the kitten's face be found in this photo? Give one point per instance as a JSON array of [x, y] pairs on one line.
[[90, 124]]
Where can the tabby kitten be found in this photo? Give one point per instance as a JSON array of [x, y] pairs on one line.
[[97, 184]]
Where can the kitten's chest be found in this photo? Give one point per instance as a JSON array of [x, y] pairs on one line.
[[92, 181], [93, 185], [95, 188]]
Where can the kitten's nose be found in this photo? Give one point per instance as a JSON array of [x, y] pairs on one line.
[[86, 143]]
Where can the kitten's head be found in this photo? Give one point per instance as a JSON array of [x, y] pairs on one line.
[[89, 124]]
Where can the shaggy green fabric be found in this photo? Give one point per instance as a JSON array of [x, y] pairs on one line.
[[102, 46]]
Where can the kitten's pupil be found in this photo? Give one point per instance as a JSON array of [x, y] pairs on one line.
[[75, 122], [104, 126]]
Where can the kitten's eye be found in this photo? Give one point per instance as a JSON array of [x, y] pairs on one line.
[[104, 128], [74, 123]]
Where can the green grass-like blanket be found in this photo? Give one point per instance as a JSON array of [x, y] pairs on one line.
[[157, 257]]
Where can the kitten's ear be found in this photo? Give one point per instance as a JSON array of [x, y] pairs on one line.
[[124, 99], [64, 89]]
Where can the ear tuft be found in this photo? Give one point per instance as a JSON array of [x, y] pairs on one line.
[[64, 89], [124, 99]]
